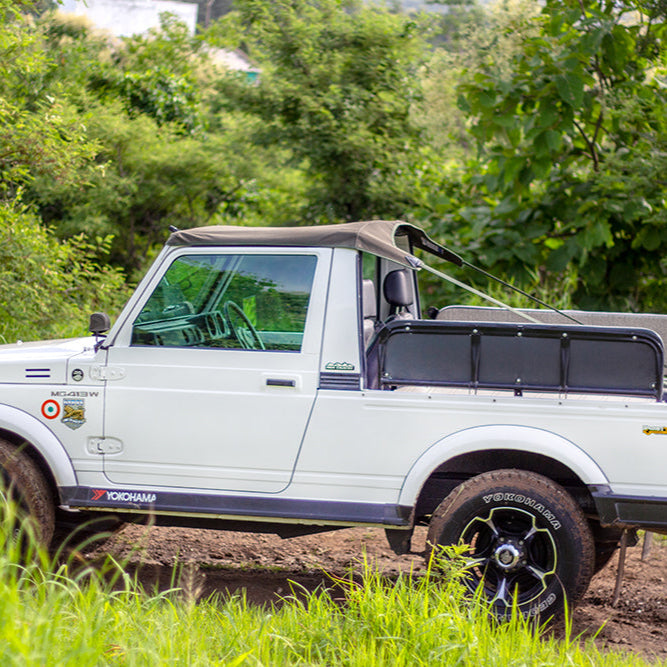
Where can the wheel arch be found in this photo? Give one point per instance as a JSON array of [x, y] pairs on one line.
[[23, 430], [473, 451]]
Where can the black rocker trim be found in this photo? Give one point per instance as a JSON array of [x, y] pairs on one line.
[[648, 512], [269, 508]]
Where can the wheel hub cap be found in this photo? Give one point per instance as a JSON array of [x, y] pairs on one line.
[[507, 556]]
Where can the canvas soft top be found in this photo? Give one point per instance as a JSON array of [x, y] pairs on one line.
[[378, 237]]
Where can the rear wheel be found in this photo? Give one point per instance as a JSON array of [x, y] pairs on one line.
[[24, 485], [528, 541]]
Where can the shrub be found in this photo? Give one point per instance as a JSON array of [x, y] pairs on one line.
[[49, 287]]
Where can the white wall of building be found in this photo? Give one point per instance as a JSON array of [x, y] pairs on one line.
[[130, 17]]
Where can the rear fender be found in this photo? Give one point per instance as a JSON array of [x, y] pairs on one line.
[[497, 437]]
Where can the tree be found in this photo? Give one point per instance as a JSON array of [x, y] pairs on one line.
[[337, 84], [572, 153], [39, 133], [467, 36], [145, 178], [47, 287], [119, 139]]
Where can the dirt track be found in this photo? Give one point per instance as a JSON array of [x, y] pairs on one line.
[[264, 565]]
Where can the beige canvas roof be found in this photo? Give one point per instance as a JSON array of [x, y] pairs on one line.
[[378, 237]]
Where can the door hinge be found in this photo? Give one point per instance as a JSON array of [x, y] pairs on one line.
[[107, 373], [104, 446]]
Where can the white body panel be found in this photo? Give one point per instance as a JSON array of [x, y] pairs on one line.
[[191, 418], [206, 419], [36, 409], [381, 446], [339, 348], [18, 421]]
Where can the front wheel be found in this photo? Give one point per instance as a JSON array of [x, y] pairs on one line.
[[22, 483], [528, 540]]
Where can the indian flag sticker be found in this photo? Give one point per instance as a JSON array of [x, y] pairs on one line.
[[50, 409]]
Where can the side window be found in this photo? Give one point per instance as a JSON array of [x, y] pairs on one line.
[[369, 296], [248, 302]]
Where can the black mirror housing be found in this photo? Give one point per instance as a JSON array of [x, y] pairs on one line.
[[99, 324]]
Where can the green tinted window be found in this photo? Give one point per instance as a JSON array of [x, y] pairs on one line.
[[229, 301]]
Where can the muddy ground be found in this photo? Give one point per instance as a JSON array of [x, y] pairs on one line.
[[264, 565]]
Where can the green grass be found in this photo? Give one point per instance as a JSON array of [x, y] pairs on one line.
[[65, 615]]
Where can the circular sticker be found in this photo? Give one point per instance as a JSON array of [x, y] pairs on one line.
[[50, 409], [77, 375]]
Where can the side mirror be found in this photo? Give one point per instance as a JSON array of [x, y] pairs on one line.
[[99, 324]]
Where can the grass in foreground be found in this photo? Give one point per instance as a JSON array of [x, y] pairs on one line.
[[49, 616]]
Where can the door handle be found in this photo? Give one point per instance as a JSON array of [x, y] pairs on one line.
[[276, 382]]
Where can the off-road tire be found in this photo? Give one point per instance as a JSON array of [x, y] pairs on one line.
[[24, 484], [529, 541]]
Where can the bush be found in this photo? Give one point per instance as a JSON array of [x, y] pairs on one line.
[[48, 287]]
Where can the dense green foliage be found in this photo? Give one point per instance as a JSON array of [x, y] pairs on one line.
[[572, 152], [530, 137], [337, 88], [47, 288]]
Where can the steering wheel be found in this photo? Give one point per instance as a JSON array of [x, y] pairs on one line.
[[242, 328]]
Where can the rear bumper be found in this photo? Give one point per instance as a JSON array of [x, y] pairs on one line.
[[647, 512]]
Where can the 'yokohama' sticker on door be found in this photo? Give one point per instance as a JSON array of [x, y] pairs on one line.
[[122, 496]]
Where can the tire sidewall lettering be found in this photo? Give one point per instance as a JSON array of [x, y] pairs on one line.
[[565, 547], [519, 500], [537, 609]]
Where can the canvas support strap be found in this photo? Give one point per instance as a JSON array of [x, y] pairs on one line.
[[472, 290]]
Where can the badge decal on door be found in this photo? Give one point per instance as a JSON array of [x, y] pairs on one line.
[[50, 409], [339, 366], [74, 412]]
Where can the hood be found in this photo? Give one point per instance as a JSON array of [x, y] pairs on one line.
[[40, 362]]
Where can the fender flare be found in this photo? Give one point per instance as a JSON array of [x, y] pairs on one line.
[[43, 440], [499, 436]]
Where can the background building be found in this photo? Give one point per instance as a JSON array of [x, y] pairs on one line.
[[131, 17]]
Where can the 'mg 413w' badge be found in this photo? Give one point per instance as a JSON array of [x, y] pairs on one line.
[[74, 413]]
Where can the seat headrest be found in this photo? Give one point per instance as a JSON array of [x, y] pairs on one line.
[[368, 301], [397, 288]]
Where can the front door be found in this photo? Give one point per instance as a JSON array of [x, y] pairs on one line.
[[214, 389]]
